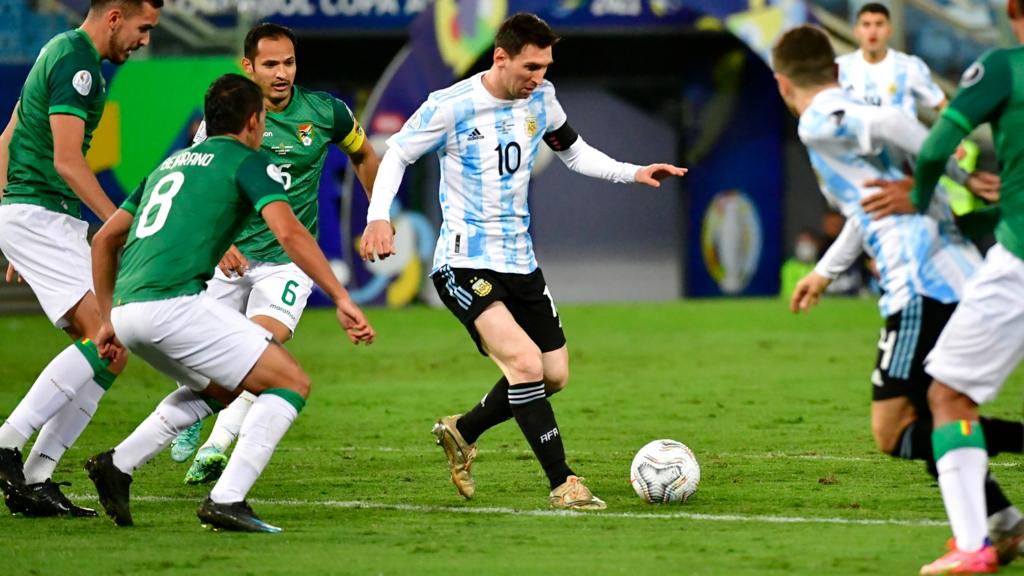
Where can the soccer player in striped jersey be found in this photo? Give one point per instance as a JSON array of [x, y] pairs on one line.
[[486, 131], [882, 76], [923, 260], [984, 340], [45, 181], [256, 276]]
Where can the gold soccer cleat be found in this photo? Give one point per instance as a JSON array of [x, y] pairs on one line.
[[573, 495], [460, 454]]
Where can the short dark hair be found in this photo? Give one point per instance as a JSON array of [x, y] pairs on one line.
[[98, 5], [229, 103], [805, 55], [265, 30], [874, 8], [521, 29]]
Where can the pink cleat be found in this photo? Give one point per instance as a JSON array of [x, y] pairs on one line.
[[983, 561]]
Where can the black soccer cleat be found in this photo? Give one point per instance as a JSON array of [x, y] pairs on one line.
[[44, 499], [237, 517], [112, 486], [12, 474]]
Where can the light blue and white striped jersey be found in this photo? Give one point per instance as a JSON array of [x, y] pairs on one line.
[[487, 147], [849, 143], [899, 80]]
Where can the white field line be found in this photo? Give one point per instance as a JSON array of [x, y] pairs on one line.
[[716, 455], [496, 510]]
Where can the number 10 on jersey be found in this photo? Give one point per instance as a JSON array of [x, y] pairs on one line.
[[509, 157]]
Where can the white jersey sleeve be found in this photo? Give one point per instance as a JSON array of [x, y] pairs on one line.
[[843, 252], [555, 114], [426, 131], [924, 89], [890, 127]]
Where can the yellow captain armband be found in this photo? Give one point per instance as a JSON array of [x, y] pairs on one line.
[[354, 141]]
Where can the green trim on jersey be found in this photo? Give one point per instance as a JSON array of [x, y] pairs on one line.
[[65, 79], [269, 199], [189, 211], [297, 139], [957, 118]]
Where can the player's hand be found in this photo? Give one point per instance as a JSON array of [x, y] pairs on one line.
[[808, 292], [233, 263], [378, 241], [893, 197], [354, 322], [108, 344], [984, 185], [653, 174], [12, 274]]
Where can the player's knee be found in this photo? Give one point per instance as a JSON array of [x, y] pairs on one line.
[[886, 439], [555, 380], [526, 366], [298, 381], [942, 397]]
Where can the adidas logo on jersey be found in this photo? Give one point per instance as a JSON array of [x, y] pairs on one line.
[[475, 135]]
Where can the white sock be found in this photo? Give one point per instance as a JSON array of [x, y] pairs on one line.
[[1004, 520], [53, 389], [269, 419], [60, 432], [229, 422], [962, 481], [179, 410]]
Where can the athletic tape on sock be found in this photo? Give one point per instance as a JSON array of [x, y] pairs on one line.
[[290, 396], [103, 376], [955, 435]]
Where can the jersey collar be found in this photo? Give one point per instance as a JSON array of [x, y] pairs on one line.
[[89, 41], [291, 101]]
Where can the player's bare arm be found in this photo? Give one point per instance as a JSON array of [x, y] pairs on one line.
[[68, 160], [365, 163], [105, 247], [5, 140], [300, 246]]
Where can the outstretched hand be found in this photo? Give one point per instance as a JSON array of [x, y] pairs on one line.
[[653, 174], [378, 241], [808, 292], [12, 274], [354, 322]]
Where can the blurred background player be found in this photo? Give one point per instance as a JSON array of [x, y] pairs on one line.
[[256, 276], [43, 236], [983, 342], [486, 131], [190, 209], [923, 261]]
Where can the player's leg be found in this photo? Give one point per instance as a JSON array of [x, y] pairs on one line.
[[232, 291], [281, 388], [50, 251], [276, 301], [982, 343]]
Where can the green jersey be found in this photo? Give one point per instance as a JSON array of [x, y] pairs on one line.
[[187, 213], [991, 91], [297, 139], [65, 79]]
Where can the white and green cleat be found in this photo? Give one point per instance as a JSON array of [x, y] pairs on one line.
[[207, 467], [185, 443]]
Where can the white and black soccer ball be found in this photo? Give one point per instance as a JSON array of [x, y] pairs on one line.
[[664, 471]]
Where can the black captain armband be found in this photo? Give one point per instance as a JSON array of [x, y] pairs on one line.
[[561, 139]]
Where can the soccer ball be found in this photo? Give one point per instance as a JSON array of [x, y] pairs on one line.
[[664, 471]]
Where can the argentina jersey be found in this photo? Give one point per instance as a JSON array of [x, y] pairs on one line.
[[850, 143], [487, 147], [899, 80]]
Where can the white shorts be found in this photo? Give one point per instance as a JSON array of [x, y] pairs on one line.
[[279, 291], [51, 252], [192, 339], [984, 339]]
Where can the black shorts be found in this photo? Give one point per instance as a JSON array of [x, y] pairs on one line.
[[907, 338], [467, 292]]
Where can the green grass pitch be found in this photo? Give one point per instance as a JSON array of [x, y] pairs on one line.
[[775, 407]]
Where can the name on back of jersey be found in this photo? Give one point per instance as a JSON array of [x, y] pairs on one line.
[[188, 159]]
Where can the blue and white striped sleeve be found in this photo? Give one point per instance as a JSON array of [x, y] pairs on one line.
[[426, 131]]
